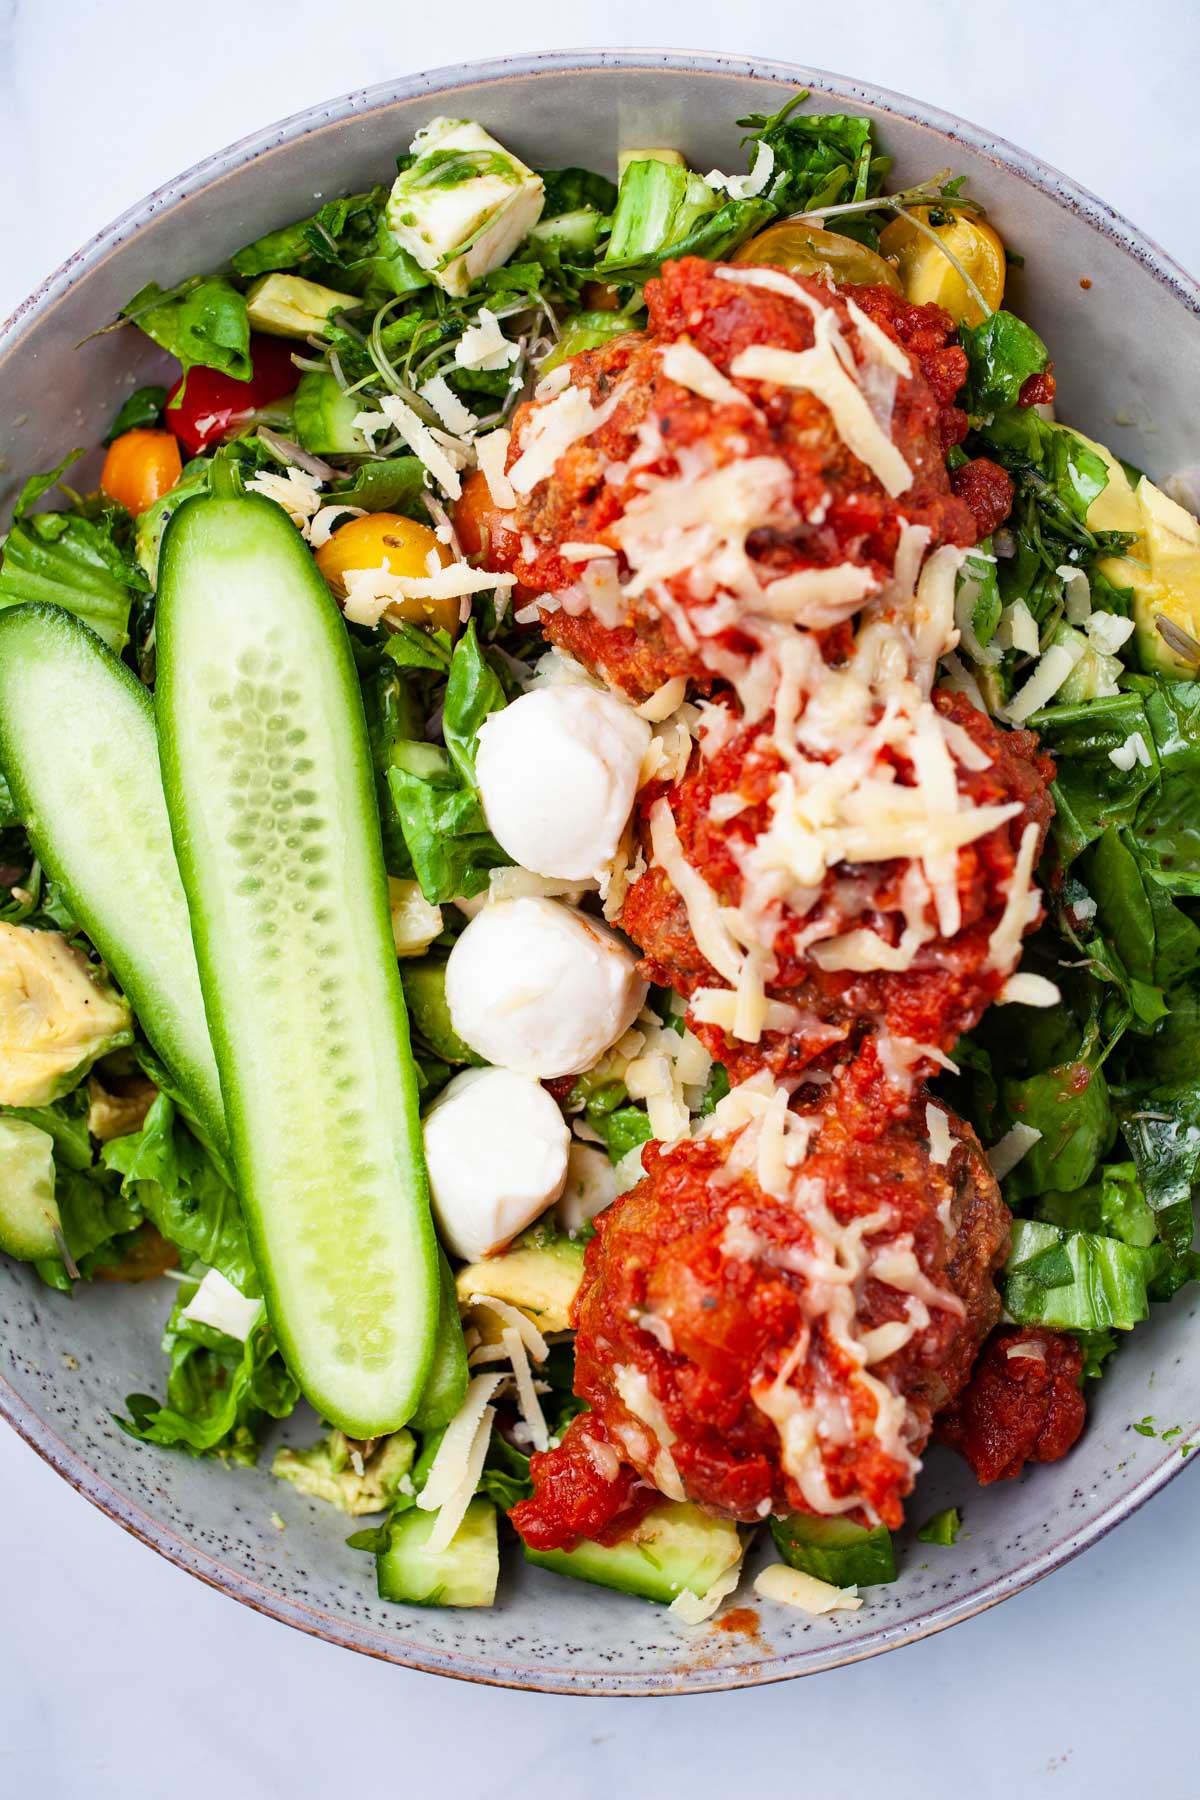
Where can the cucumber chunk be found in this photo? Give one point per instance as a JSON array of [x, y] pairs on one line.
[[465, 1573], [271, 793], [78, 748], [30, 1225], [446, 1383], [675, 1546], [836, 1550]]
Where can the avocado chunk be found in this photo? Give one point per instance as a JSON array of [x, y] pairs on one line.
[[289, 306], [336, 1470], [425, 996], [835, 1550], [673, 1547], [324, 417], [540, 1273], [465, 1573], [57, 1016], [1162, 566], [30, 1225]]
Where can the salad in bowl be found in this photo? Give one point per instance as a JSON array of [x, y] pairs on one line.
[[599, 868]]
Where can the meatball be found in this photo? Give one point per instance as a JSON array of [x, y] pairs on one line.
[[722, 812], [770, 1320], [1022, 1404], [772, 486]]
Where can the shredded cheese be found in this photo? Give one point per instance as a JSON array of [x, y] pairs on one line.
[[791, 1587], [941, 1142], [454, 414], [1017, 1142], [491, 452], [695, 1609], [442, 456], [1028, 990], [682, 362]]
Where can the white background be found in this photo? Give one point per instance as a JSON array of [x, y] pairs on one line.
[[122, 1677]]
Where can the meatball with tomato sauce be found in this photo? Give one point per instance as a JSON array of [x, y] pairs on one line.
[[671, 490], [1023, 1404], [908, 948], [770, 1320]]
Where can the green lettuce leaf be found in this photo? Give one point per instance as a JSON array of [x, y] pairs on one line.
[[77, 563], [1076, 1280], [140, 412], [203, 322], [1002, 354]]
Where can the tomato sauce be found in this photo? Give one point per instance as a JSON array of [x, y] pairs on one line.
[[1023, 1403]]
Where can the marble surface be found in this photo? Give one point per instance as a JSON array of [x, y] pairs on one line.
[[121, 1676]]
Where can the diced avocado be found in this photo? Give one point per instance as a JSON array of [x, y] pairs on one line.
[[324, 416], [661, 154], [540, 1274], [462, 207], [835, 1550], [289, 306], [29, 1216], [334, 1469], [57, 1016], [675, 1546], [1162, 567], [425, 993], [465, 1573]]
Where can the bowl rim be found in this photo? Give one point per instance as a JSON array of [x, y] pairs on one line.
[[66, 1461]]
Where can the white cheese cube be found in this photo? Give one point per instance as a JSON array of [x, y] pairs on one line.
[[535, 986], [558, 773], [216, 1302], [466, 203], [496, 1148]]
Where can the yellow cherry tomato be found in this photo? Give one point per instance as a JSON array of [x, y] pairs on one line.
[[928, 276], [805, 249], [401, 546], [140, 467]]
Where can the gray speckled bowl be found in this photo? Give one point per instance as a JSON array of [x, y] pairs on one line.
[[1125, 353]]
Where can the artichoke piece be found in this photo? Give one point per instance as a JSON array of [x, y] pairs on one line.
[[57, 1016]]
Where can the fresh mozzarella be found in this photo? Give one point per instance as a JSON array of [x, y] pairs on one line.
[[558, 772], [496, 1147], [534, 986], [217, 1303]]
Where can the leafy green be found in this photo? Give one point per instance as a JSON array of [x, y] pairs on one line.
[[1157, 1098], [95, 1216], [713, 234], [171, 1178], [77, 563], [569, 190], [141, 411], [605, 1104], [473, 691], [1002, 353], [943, 1528], [1090, 792], [66, 1122], [1066, 1099], [820, 160], [37, 485], [393, 484], [1076, 1280], [331, 242], [444, 828], [1114, 1205], [219, 1392], [202, 322]]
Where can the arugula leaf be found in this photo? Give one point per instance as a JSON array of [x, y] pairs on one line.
[[94, 1217], [1002, 353], [202, 322], [37, 485], [473, 691], [219, 1392], [569, 190], [141, 411], [394, 484], [1090, 792], [336, 238], [1157, 1098], [821, 160], [1068, 1102], [72, 562], [167, 1173]]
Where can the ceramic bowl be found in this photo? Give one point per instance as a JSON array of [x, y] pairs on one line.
[[1125, 354]]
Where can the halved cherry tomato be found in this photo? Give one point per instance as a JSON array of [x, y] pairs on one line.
[[141, 466], [401, 546], [212, 406], [485, 529], [806, 249], [927, 276], [599, 296]]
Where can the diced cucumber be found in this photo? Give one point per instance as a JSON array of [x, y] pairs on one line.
[[836, 1550], [425, 992], [324, 417], [78, 748], [465, 1573], [269, 784], [675, 1546], [30, 1225]]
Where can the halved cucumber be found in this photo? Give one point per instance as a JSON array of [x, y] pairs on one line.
[[271, 793], [79, 751]]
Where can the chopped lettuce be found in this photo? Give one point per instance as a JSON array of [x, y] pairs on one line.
[[1077, 1280], [203, 322]]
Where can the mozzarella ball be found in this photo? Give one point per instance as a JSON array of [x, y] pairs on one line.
[[535, 986], [558, 773], [496, 1147]]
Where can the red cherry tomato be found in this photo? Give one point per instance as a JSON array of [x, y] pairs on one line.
[[214, 405]]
